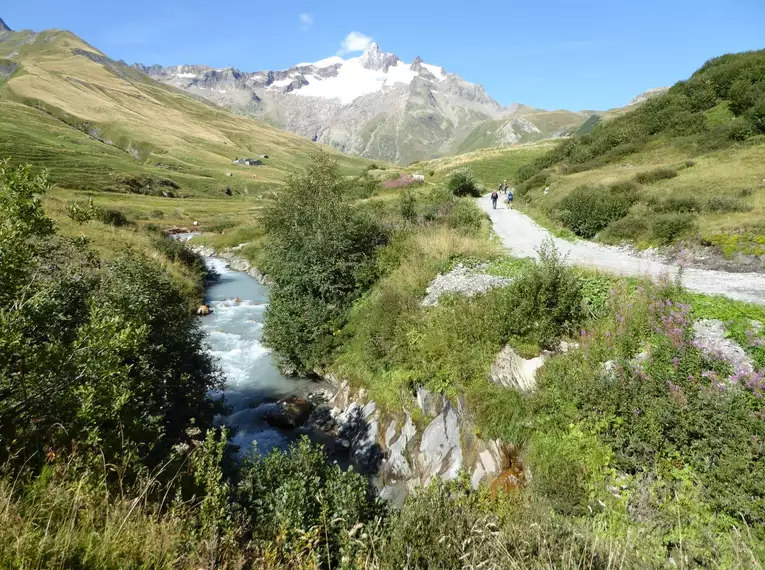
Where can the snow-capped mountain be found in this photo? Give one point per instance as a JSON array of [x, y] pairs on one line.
[[374, 105]]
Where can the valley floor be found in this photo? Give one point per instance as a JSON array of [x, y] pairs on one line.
[[522, 237]]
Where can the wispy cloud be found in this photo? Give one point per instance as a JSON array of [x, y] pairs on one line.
[[306, 21], [355, 41]]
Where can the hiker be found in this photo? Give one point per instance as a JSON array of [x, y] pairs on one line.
[[494, 198], [510, 197]]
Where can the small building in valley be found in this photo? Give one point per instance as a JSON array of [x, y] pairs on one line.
[[248, 162]]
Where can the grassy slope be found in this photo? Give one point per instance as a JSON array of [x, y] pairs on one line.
[[724, 173], [99, 126], [694, 121], [549, 122], [489, 166]]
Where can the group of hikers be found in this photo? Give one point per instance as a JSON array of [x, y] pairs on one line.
[[503, 189]]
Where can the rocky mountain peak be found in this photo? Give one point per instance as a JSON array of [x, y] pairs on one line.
[[375, 59], [417, 64], [4, 27]]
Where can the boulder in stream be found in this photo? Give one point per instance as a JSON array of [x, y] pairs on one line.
[[291, 413]]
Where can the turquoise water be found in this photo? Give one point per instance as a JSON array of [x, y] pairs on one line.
[[252, 381]]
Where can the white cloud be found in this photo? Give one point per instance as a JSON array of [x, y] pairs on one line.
[[355, 41], [306, 21]]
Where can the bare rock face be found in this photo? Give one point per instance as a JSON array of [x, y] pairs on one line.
[[709, 337], [512, 371], [4, 27], [377, 60], [440, 448]]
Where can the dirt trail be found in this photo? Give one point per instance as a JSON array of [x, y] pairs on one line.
[[522, 236]]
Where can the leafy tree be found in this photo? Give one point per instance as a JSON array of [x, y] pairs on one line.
[[462, 183], [321, 254], [103, 356]]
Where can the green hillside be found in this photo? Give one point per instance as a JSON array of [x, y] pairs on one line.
[[549, 124], [687, 165], [100, 125]]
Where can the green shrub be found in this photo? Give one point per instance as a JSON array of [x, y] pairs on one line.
[[668, 227], [158, 214], [673, 204], [288, 496], [626, 188], [112, 217], [431, 173], [446, 525], [466, 217], [655, 175], [320, 252], [408, 206], [462, 183], [546, 303], [630, 228], [588, 210], [364, 186], [723, 204]]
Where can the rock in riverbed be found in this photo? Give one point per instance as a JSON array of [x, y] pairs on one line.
[[292, 412]]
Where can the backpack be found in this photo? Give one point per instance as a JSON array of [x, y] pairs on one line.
[[509, 194], [494, 195]]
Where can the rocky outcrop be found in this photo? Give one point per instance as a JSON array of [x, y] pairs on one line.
[[376, 59], [440, 450], [710, 336], [462, 281], [401, 455], [512, 371], [290, 413], [235, 262]]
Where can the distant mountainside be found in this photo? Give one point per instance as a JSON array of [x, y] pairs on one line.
[[99, 124], [374, 105]]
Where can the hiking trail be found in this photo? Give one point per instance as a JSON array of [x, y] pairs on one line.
[[522, 236]]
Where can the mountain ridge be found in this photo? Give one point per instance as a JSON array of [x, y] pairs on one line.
[[374, 105]]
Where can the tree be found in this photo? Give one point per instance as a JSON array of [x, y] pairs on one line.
[[320, 252], [461, 183]]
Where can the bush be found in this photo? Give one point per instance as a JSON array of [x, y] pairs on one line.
[[668, 227], [723, 204], [320, 252], [293, 498], [587, 210], [113, 360], [628, 228], [408, 206], [431, 173], [547, 301], [678, 205], [462, 183], [113, 217], [466, 217], [655, 175]]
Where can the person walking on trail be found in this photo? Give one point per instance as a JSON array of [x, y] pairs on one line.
[[510, 197], [494, 198]]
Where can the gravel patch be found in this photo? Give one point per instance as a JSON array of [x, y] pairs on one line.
[[709, 337], [462, 281]]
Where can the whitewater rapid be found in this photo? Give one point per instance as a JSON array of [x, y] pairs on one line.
[[253, 382]]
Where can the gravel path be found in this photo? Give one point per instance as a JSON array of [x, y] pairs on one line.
[[522, 236]]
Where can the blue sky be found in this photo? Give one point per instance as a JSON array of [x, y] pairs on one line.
[[575, 54]]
